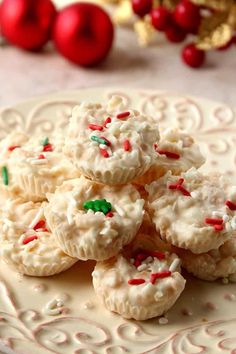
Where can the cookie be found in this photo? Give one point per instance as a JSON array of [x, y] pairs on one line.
[[139, 283], [215, 264], [26, 242], [176, 152], [15, 140], [40, 166], [184, 210], [94, 221], [110, 144]]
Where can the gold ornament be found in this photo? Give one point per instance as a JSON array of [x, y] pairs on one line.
[[145, 31], [123, 13], [215, 31]]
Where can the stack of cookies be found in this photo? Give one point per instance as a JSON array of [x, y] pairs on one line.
[[114, 190]]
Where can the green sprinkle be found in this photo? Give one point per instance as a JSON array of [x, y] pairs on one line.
[[99, 140], [5, 175], [98, 205], [45, 141]]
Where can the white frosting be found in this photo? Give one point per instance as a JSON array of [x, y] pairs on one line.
[[178, 142], [110, 279], [220, 263], [82, 228], [181, 219], [33, 258], [141, 131], [49, 172]]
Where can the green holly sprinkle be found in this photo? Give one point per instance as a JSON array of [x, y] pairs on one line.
[[98, 205], [99, 140], [45, 141], [5, 176]]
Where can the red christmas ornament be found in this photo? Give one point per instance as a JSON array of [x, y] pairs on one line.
[[175, 33], [83, 33], [187, 15], [141, 7], [161, 18], [27, 23], [193, 56]]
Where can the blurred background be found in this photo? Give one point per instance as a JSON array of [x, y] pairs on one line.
[[184, 46]]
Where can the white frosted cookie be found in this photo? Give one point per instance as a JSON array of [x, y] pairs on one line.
[[184, 209], [176, 152], [110, 145], [8, 187], [94, 221], [140, 283], [26, 242], [40, 166], [219, 263]]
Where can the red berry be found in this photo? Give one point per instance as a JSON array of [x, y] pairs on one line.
[[141, 7], [193, 56], [161, 18], [175, 33], [187, 15]]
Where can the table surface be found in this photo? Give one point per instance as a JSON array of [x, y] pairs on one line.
[[159, 66]]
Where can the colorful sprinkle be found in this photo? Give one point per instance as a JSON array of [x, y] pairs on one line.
[[95, 127], [214, 221], [45, 141], [179, 187], [107, 121], [160, 275], [40, 225], [47, 147], [218, 227], [108, 143], [104, 153], [127, 145], [98, 205], [5, 176], [123, 115], [169, 154], [98, 140], [109, 214], [13, 147], [29, 239], [136, 281], [230, 205], [41, 156]]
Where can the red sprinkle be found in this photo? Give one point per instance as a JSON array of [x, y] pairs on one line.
[[39, 225], [123, 115], [47, 147], [104, 153], [109, 214], [41, 156], [230, 205], [159, 255], [95, 127], [183, 191], [127, 145], [218, 227], [136, 281], [11, 148], [106, 140], [160, 275], [29, 239], [107, 121], [179, 187], [169, 154], [214, 222]]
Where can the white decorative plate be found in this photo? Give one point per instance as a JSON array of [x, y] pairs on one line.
[[204, 318]]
